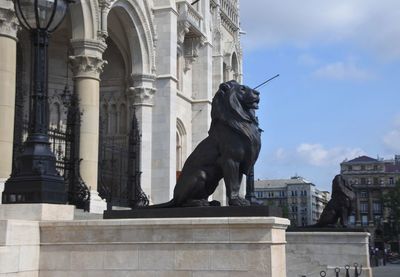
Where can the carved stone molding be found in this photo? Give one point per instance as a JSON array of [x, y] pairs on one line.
[[191, 50], [84, 66], [143, 96], [9, 24], [183, 29]]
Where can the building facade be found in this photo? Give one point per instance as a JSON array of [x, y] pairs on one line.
[[301, 201], [161, 61], [371, 179]]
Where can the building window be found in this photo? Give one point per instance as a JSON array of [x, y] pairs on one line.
[[364, 194], [352, 219], [349, 168], [363, 167], [364, 207], [376, 181], [375, 168], [362, 181], [377, 207], [391, 181], [364, 220]]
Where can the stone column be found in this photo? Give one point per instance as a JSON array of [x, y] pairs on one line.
[[142, 98], [164, 111], [370, 209], [358, 214], [8, 60], [87, 64]]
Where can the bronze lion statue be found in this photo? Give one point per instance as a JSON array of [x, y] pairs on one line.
[[229, 151], [340, 206]]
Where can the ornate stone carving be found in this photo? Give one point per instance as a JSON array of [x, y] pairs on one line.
[[183, 29], [9, 24], [143, 95], [84, 66], [191, 50]]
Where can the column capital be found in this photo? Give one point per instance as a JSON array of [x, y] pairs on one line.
[[84, 66], [9, 24], [142, 96]]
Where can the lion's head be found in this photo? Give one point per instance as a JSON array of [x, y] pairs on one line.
[[234, 102]]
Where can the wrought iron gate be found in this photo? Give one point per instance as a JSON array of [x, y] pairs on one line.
[[64, 144], [119, 168]]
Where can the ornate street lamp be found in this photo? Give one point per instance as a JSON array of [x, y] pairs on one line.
[[35, 178]]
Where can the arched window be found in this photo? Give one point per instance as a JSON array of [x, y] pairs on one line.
[[181, 147], [55, 114]]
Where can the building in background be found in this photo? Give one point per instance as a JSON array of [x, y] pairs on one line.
[[301, 201], [162, 60], [371, 179]]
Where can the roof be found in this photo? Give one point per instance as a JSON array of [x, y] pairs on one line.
[[280, 183], [362, 159]]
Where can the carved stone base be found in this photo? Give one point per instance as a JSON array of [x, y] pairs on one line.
[[97, 205]]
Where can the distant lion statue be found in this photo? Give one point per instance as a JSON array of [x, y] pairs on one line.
[[340, 206], [229, 151]]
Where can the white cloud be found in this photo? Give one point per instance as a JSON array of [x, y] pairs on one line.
[[369, 24], [343, 71], [318, 155]]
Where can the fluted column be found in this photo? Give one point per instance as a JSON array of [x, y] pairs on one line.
[[87, 64], [8, 59]]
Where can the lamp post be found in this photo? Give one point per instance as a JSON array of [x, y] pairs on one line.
[[35, 178]]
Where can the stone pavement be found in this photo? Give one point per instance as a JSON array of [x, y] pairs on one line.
[[390, 270]]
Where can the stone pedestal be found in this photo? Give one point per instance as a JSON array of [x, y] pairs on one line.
[[19, 248], [308, 253], [164, 247], [36, 212]]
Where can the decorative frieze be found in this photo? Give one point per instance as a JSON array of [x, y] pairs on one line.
[[84, 66], [9, 24]]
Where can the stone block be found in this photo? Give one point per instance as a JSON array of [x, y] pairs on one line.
[[163, 247], [9, 259], [29, 258], [308, 253], [36, 212]]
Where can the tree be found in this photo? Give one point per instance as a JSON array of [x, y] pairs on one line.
[[391, 201]]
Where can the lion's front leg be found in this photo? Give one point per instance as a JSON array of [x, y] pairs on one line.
[[233, 178]]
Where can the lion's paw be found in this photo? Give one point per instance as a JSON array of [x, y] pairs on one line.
[[239, 202]]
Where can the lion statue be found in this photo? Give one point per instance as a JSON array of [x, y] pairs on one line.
[[340, 206], [229, 151]]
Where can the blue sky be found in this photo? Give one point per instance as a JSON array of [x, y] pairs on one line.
[[338, 94]]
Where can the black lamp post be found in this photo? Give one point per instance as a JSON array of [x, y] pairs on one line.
[[35, 178]]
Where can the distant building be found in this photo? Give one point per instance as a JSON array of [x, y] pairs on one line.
[[371, 179], [300, 199]]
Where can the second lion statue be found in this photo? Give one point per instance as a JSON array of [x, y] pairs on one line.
[[230, 150]]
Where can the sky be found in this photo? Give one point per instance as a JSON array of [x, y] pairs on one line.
[[338, 93]]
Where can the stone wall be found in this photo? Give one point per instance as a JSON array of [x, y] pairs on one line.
[[308, 253], [164, 247]]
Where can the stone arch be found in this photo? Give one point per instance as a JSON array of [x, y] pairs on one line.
[[181, 144], [235, 66], [138, 33], [86, 19]]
